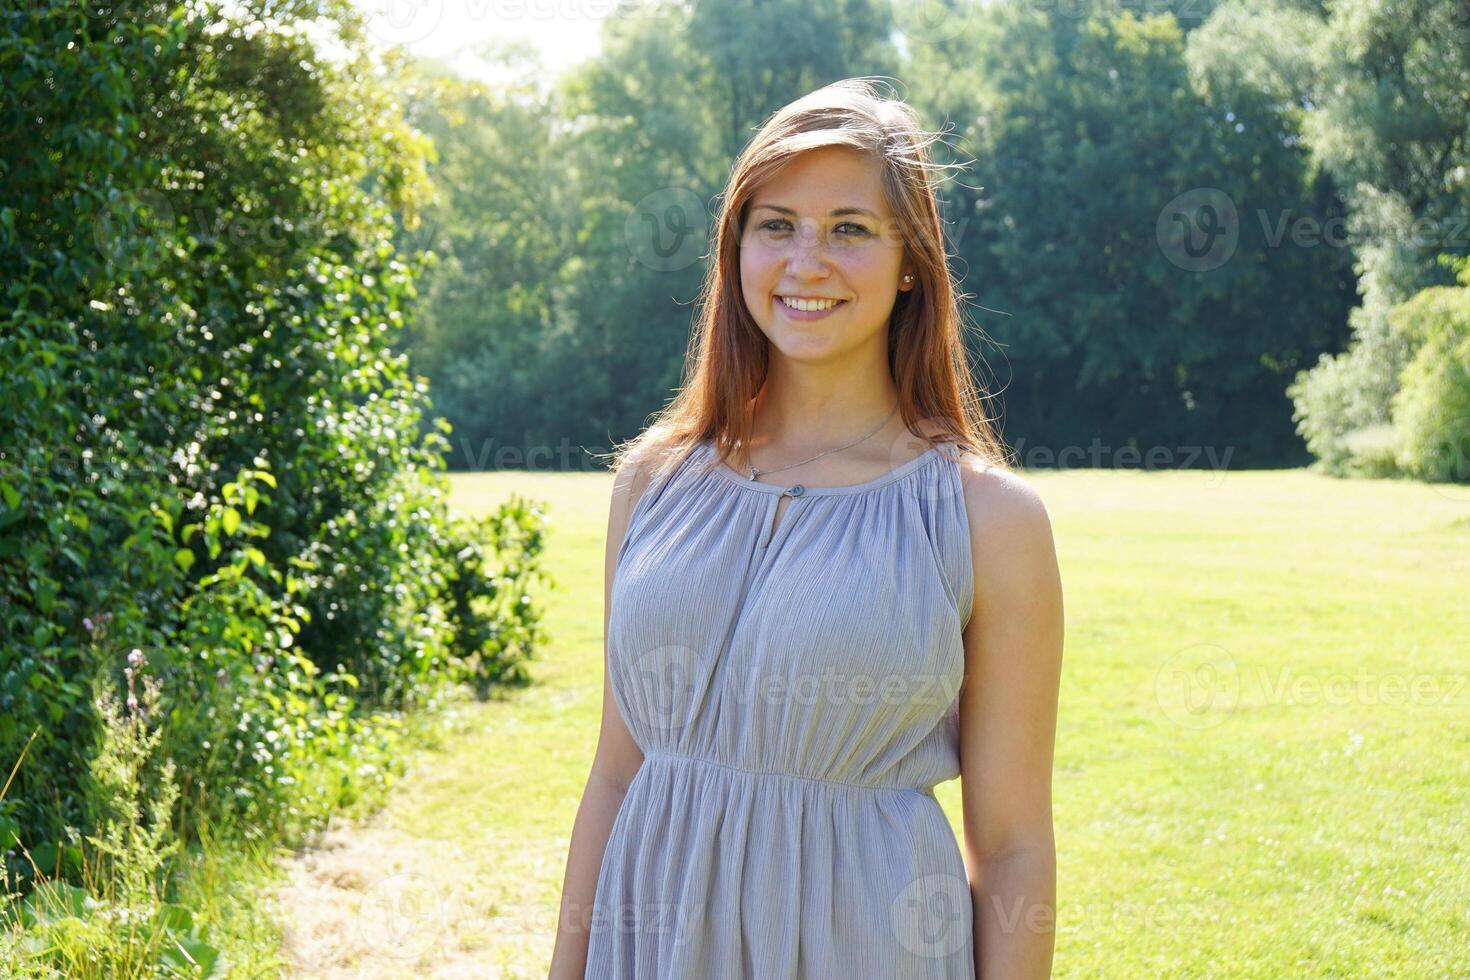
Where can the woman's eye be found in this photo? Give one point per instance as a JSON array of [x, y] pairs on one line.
[[770, 226]]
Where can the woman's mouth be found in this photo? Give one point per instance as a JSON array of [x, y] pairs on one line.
[[808, 308]]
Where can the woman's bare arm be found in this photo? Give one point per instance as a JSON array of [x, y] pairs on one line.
[[1008, 712], [613, 766]]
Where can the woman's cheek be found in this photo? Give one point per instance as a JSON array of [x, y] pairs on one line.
[[757, 260]]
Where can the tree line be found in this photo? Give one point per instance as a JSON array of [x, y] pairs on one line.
[[1180, 229]]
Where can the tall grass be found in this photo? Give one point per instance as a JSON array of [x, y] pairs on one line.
[[119, 923]]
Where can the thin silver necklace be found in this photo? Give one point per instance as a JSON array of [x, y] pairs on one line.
[[755, 472]]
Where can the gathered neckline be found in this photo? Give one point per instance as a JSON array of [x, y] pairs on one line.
[[898, 472]]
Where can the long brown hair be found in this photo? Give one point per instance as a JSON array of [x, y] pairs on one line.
[[726, 361]]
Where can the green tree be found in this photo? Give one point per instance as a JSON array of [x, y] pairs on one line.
[[502, 230], [567, 327], [1380, 88], [1095, 151]]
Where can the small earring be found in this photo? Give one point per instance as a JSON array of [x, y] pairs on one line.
[[908, 278]]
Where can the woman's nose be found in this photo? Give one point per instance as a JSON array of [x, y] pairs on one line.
[[808, 249]]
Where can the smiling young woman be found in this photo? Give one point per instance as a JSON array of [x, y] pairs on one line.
[[826, 593]]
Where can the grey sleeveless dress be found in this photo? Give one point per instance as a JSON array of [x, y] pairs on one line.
[[794, 691]]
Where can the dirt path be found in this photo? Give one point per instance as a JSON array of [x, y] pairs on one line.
[[460, 874], [373, 899]]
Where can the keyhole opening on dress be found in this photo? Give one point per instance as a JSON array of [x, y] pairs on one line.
[[783, 501]]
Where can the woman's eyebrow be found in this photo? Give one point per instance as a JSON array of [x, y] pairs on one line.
[[835, 212]]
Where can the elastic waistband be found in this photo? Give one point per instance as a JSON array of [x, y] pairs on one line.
[[841, 784]]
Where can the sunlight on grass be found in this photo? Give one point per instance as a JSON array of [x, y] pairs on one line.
[[1262, 756]]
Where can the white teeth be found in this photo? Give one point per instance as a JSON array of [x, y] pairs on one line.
[[809, 305]]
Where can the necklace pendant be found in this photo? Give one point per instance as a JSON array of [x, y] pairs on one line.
[[752, 472]]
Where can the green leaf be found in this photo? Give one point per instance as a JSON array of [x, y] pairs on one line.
[[176, 917], [53, 901], [193, 956], [185, 558], [231, 520]]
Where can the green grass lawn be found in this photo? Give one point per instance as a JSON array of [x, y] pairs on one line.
[[1263, 764]]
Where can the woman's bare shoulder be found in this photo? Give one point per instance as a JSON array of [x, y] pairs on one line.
[[1004, 508], [637, 468]]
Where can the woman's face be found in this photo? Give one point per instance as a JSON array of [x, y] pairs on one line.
[[800, 241]]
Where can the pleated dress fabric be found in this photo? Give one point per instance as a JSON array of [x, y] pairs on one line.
[[794, 689]]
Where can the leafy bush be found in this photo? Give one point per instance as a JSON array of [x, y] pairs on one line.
[[496, 625], [211, 451], [1417, 422], [1342, 403], [1431, 411]]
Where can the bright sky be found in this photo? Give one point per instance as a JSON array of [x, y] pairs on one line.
[[563, 31]]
